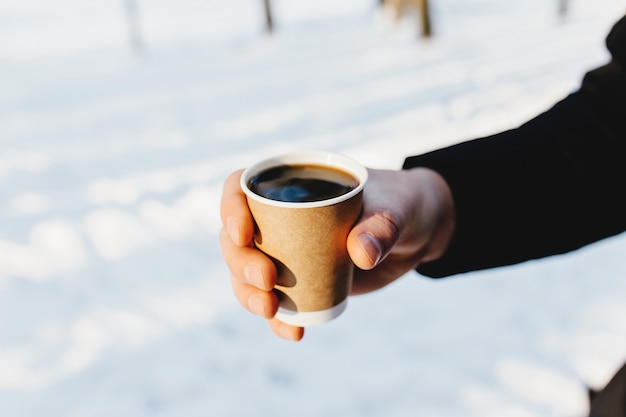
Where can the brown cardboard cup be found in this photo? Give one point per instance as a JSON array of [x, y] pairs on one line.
[[307, 241]]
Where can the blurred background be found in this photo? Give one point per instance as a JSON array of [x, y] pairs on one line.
[[120, 119]]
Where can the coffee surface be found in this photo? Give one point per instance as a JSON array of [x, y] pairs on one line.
[[302, 183]]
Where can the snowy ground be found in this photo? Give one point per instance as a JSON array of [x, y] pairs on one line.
[[113, 297]]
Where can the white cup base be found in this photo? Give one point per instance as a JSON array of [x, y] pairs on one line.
[[310, 318]]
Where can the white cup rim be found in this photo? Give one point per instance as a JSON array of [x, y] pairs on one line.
[[322, 158]]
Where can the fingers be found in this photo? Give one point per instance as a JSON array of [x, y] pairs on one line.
[[253, 274], [259, 302], [265, 304], [378, 229], [247, 264], [253, 285], [372, 238], [286, 331], [234, 211]]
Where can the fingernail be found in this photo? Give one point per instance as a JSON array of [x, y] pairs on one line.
[[254, 276], [372, 247], [257, 305], [233, 229]]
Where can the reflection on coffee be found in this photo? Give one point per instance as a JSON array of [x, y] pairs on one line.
[[302, 183]]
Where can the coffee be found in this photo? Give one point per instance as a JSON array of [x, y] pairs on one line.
[[302, 183]]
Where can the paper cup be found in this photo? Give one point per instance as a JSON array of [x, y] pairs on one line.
[[307, 240]]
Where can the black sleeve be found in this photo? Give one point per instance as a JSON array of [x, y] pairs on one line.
[[554, 184]]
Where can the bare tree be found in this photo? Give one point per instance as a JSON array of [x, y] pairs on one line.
[[269, 24], [132, 19], [563, 7], [425, 19], [421, 6]]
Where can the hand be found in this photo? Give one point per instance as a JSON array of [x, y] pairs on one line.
[[408, 218]]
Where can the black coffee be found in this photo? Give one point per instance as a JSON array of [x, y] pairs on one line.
[[302, 183]]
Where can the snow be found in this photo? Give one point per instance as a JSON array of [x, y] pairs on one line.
[[114, 299]]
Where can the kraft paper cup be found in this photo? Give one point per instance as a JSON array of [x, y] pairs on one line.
[[307, 241]]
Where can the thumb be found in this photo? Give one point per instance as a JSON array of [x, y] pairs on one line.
[[372, 238]]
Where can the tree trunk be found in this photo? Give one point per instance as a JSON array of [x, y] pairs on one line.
[[269, 24], [425, 19], [132, 18]]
